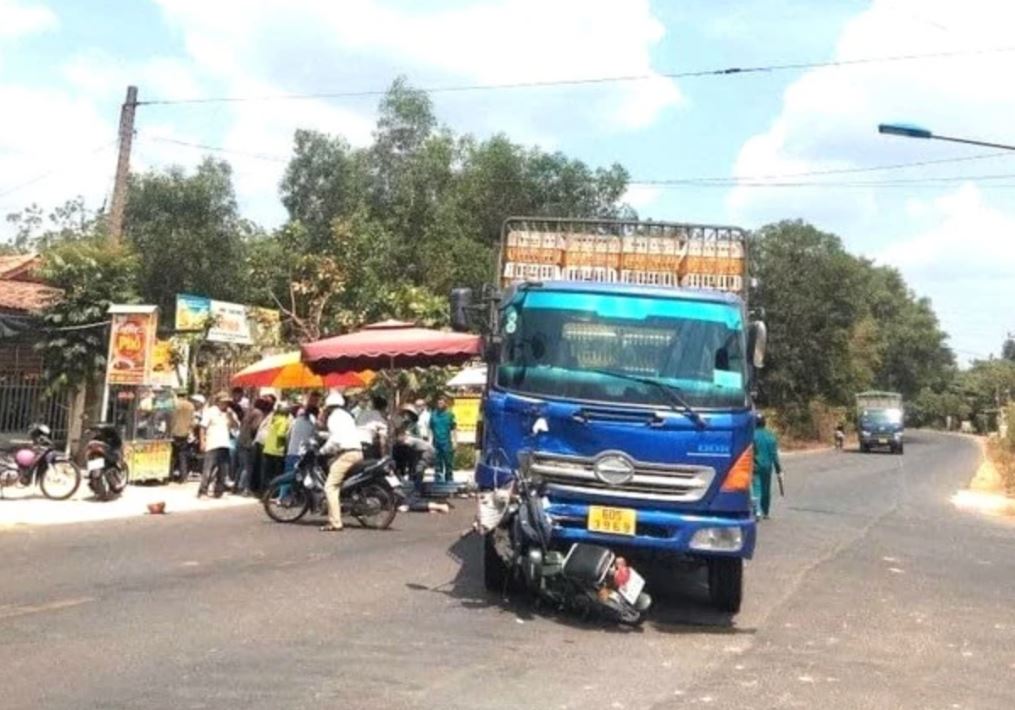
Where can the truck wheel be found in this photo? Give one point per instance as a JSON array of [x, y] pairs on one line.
[[495, 572], [864, 449], [726, 583], [899, 449]]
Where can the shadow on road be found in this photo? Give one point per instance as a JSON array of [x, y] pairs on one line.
[[680, 599]]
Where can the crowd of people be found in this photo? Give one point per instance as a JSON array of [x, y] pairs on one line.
[[252, 442]]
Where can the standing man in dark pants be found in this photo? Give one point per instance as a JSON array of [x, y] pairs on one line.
[[445, 430], [766, 458], [180, 427], [216, 427]]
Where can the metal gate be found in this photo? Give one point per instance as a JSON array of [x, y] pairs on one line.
[[24, 397], [24, 402]]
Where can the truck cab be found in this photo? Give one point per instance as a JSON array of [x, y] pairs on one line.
[[634, 405], [880, 422]]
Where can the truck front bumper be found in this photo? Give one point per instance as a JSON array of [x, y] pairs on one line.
[[664, 531]]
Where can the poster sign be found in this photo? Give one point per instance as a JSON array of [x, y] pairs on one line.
[[466, 410], [229, 322], [192, 312], [131, 343], [149, 460], [166, 373]]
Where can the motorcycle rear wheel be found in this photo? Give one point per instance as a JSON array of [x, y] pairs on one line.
[[97, 482], [60, 480], [376, 507], [286, 508], [119, 478]]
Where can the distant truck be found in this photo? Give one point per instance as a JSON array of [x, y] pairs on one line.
[[879, 417]]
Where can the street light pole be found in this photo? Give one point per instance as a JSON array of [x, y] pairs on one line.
[[908, 131]]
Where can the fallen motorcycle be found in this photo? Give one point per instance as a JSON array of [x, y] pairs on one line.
[[107, 471], [519, 554], [371, 491], [41, 463]]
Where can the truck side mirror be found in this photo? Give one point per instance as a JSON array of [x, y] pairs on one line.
[[757, 343], [491, 349], [461, 304]]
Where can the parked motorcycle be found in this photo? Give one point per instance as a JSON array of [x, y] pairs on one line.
[[518, 554], [371, 491], [58, 477], [107, 471]]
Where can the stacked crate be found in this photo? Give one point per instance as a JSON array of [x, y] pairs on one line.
[[649, 260], [714, 262], [532, 256]]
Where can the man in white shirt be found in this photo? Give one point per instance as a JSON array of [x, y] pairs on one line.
[[217, 424], [373, 426], [423, 424], [344, 444]]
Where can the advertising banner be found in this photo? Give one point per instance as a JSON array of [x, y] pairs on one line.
[[466, 410], [192, 312], [229, 322], [131, 344]]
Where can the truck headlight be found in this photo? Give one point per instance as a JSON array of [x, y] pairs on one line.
[[865, 433], [726, 539], [897, 435]]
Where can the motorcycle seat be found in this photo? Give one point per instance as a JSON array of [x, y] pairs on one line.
[[367, 466]]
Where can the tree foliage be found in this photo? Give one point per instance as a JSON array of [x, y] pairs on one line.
[[188, 234], [93, 275], [840, 324]]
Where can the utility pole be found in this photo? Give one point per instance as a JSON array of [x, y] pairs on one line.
[[122, 166]]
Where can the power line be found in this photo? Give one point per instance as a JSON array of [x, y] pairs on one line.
[[218, 149], [49, 173], [838, 171], [723, 182], [726, 71]]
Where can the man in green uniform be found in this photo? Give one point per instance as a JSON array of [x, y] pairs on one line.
[[443, 427], [766, 457]]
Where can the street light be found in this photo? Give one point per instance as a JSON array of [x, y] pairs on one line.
[[908, 130]]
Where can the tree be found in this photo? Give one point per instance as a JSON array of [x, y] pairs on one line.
[[93, 275], [188, 234], [35, 231], [1008, 349], [809, 292]]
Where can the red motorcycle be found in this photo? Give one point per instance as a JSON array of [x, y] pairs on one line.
[[39, 462]]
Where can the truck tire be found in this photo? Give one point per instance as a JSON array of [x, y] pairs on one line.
[[726, 583], [899, 449], [496, 574], [864, 449]]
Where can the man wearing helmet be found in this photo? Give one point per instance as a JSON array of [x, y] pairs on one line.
[[344, 444]]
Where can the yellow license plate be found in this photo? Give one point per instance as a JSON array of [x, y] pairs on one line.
[[616, 521]]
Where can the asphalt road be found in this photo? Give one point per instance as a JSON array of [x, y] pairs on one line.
[[869, 590]]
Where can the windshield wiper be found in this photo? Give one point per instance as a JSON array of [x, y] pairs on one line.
[[670, 392]]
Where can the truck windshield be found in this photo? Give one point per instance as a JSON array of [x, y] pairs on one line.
[[565, 344], [881, 416]]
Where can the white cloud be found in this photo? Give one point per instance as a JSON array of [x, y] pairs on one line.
[[641, 197], [949, 241], [18, 19], [48, 159], [305, 46]]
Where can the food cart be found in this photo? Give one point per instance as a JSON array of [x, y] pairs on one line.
[[138, 397]]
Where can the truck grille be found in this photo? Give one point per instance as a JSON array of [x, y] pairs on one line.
[[679, 483]]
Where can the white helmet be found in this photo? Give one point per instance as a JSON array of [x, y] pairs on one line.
[[335, 399], [198, 398]]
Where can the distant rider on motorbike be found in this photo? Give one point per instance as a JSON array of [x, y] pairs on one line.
[[344, 444]]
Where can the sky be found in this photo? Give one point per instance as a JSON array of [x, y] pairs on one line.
[[747, 149]]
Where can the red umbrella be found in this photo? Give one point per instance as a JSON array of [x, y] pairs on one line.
[[390, 345]]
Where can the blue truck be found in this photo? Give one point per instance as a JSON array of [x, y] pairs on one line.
[[621, 358], [880, 421]]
